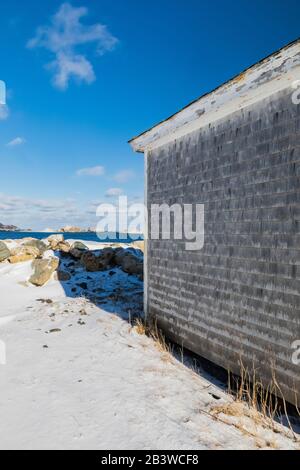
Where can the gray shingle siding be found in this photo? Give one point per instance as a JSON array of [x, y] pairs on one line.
[[239, 297]]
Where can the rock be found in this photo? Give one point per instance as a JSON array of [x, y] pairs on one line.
[[75, 253], [106, 257], [120, 253], [41, 246], [101, 262], [64, 247], [21, 258], [43, 270], [79, 246], [58, 238], [23, 253], [77, 249], [31, 250], [4, 252], [45, 301], [63, 276], [139, 245], [130, 263], [55, 240], [90, 261]]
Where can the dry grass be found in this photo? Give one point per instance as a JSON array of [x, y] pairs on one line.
[[151, 330], [256, 402], [252, 407]]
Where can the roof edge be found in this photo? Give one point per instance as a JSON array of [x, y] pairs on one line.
[[262, 72]]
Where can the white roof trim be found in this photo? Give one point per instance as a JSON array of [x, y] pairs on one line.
[[270, 76]]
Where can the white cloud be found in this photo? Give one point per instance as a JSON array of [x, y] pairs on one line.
[[124, 176], [93, 171], [4, 112], [64, 34], [38, 213], [114, 192], [16, 142]]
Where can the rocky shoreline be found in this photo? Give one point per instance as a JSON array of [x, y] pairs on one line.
[[55, 256]]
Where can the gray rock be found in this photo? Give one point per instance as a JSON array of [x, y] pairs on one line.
[[55, 240], [129, 263], [79, 246], [4, 252], [75, 253], [99, 262], [64, 247], [132, 265], [41, 246], [43, 270], [23, 253], [77, 250], [63, 276]]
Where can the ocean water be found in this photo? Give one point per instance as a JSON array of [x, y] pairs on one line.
[[87, 236]]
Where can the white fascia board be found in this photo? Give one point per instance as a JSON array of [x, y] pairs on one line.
[[276, 73]]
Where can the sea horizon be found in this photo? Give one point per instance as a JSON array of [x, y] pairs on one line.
[[85, 236]]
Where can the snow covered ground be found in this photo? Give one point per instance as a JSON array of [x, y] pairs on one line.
[[78, 376]]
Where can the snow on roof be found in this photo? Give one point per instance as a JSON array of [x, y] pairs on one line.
[[272, 74]]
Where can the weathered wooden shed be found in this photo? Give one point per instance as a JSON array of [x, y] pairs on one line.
[[237, 151]]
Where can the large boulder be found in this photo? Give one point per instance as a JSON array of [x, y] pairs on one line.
[[43, 270], [78, 249], [23, 253], [20, 258], [106, 258], [4, 252], [90, 262], [99, 262], [120, 254], [132, 265], [55, 240], [79, 246], [38, 244], [64, 247], [129, 262], [58, 243], [62, 276]]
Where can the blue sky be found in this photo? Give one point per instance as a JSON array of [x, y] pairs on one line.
[[84, 77]]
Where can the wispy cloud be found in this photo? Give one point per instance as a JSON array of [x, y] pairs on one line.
[[124, 176], [114, 192], [63, 35], [16, 142], [93, 171], [24, 212], [38, 213]]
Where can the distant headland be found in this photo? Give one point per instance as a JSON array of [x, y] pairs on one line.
[[11, 228]]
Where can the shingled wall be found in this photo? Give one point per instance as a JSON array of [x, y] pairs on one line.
[[239, 297]]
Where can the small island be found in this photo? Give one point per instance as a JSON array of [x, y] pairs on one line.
[[9, 228]]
